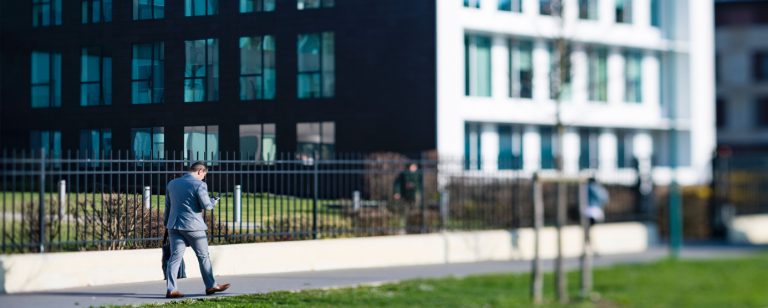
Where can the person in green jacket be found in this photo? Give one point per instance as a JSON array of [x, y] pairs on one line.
[[407, 186]]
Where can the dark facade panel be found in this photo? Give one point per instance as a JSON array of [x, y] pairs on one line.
[[385, 74]]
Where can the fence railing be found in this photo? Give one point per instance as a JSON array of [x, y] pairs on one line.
[[116, 202]]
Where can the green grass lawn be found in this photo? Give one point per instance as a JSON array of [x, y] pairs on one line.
[[718, 283], [253, 206]]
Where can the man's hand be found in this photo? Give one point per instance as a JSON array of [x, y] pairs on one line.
[[397, 196]]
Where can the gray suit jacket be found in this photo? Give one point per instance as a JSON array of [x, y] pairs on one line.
[[185, 199]]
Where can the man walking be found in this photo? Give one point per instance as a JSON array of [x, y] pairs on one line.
[[185, 199]]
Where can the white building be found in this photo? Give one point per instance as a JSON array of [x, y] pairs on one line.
[[639, 68]]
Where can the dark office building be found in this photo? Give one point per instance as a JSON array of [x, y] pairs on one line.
[[252, 76]]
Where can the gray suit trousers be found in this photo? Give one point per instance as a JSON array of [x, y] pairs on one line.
[[199, 241]]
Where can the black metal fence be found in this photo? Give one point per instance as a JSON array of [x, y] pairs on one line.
[[740, 182], [116, 202]]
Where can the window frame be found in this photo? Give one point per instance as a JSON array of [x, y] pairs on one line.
[[87, 8], [624, 11], [589, 10], [321, 145], [52, 145], [54, 80], [597, 89], [211, 8], [511, 135], [104, 81], [516, 48], [153, 132], [157, 55], [207, 131], [260, 155], [155, 12], [472, 86], [258, 6], [46, 13], [324, 70], [760, 65], [262, 72], [104, 148], [321, 4], [636, 57], [210, 79]]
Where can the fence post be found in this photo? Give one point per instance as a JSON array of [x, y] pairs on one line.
[[316, 187], [586, 253], [41, 201], [444, 201], [356, 200], [537, 282], [421, 195], [62, 198], [238, 202], [561, 279], [147, 197]]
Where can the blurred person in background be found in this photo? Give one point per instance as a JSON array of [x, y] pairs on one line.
[[597, 198]]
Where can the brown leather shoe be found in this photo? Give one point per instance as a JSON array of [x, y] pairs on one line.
[[173, 294], [217, 288]]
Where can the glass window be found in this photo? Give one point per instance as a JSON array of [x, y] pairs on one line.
[[548, 147], [655, 13], [316, 64], [473, 150], [46, 13], [588, 148], [633, 77], [598, 74], [313, 4], [720, 112], [201, 142], [510, 147], [560, 73], [148, 143], [201, 7], [201, 76], [588, 9], [625, 149], [762, 112], [624, 11], [472, 3], [46, 79], [47, 140], [147, 73], [95, 11], [521, 69], [257, 67], [511, 5], [148, 9], [250, 6], [95, 77], [477, 65], [258, 142], [549, 7], [94, 144], [760, 66], [316, 137]]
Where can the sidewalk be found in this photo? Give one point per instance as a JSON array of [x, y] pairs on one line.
[[153, 292]]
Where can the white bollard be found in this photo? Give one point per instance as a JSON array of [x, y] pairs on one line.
[[444, 201], [356, 200], [62, 198], [238, 193], [147, 196]]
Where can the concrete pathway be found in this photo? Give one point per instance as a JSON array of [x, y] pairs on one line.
[[154, 292]]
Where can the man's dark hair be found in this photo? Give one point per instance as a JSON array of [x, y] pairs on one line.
[[198, 166]]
